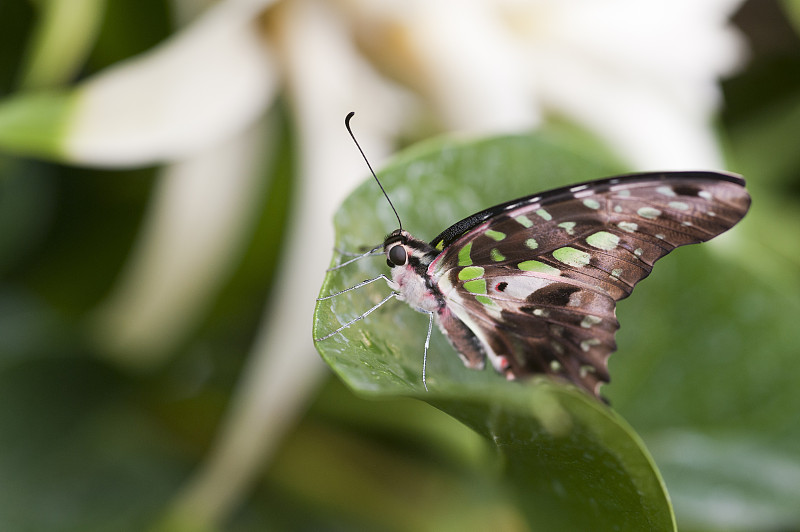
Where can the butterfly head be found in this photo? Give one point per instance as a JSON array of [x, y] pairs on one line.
[[402, 249], [395, 248]]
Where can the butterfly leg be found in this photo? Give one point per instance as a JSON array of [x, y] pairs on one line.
[[362, 251], [359, 285], [359, 318], [425, 353], [357, 256]]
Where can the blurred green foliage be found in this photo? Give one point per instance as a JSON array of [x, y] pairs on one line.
[[706, 370]]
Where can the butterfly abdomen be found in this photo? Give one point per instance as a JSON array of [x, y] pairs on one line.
[[467, 345]]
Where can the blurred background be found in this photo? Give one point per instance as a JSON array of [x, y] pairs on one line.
[[168, 175]]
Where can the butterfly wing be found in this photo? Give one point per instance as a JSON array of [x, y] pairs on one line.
[[536, 280]]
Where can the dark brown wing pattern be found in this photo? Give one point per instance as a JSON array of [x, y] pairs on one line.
[[537, 280]]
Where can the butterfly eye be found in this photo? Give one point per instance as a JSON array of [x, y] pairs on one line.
[[397, 256]]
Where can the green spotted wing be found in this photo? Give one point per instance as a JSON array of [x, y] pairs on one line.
[[532, 284]]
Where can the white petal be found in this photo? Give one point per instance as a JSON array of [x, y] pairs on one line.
[[648, 127], [283, 366], [457, 54], [642, 75], [203, 85], [490, 65], [192, 237]]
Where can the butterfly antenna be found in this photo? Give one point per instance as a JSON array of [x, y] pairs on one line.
[[347, 125]]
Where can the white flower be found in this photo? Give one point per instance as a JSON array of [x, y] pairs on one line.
[[200, 88], [642, 75]]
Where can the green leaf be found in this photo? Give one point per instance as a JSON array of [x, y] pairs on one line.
[[707, 372], [570, 461]]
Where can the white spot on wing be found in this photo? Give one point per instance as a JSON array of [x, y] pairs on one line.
[[651, 213], [680, 205], [587, 344], [590, 320], [569, 227], [591, 203]]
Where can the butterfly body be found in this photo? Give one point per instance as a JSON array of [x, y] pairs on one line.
[[409, 272], [532, 284]]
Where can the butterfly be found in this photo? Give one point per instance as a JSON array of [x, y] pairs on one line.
[[532, 284]]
